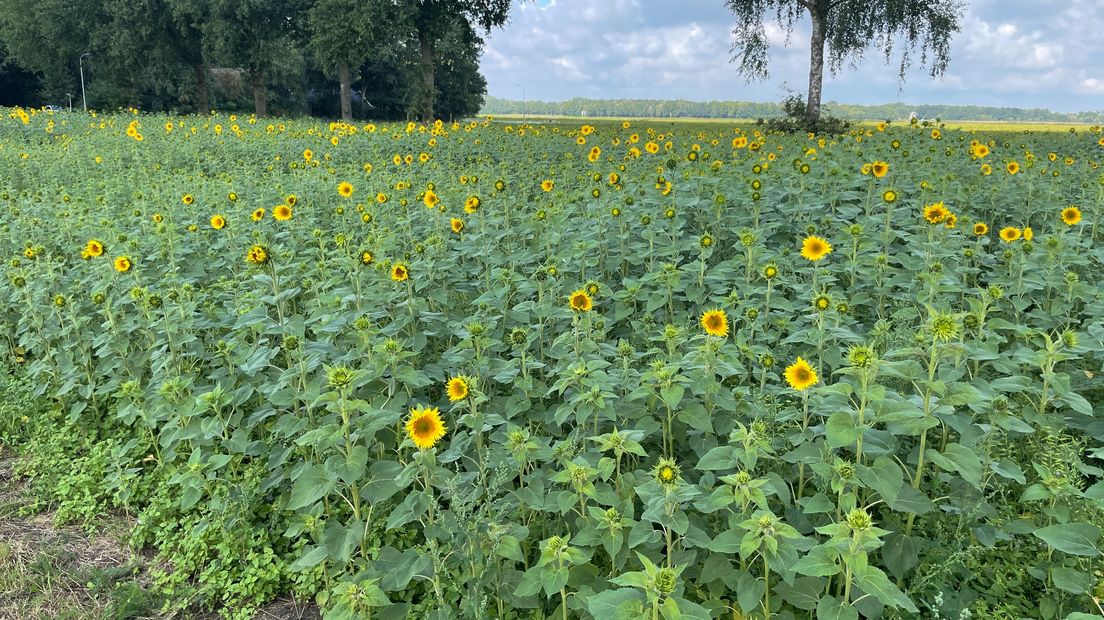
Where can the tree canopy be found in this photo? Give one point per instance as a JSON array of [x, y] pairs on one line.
[[379, 58], [844, 30]]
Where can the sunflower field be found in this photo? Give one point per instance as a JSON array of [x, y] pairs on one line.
[[558, 370]]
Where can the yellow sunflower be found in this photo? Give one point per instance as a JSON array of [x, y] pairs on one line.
[[471, 205], [1008, 234], [800, 375], [715, 323], [399, 272], [218, 222], [1013, 167], [1071, 216], [257, 255], [1028, 234], [345, 189], [581, 302], [424, 427], [187, 199], [456, 225], [936, 213], [366, 257], [980, 229], [122, 264], [879, 168], [258, 214], [94, 248], [282, 212], [547, 185], [431, 200], [815, 248], [457, 388]]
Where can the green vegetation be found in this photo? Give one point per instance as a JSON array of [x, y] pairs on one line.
[[522, 371], [676, 108]]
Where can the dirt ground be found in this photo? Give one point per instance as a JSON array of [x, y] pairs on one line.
[[63, 573]]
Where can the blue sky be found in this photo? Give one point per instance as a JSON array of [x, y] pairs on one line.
[[1016, 53]]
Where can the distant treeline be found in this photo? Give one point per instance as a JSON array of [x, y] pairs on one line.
[[659, 108]]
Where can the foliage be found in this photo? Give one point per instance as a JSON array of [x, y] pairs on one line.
[[796, 119], [244, 384]]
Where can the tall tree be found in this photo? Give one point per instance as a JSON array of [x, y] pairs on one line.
[[432, 21], [255, 35], [345, 33], [847, 28]]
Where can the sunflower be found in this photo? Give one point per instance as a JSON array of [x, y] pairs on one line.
[[258, 214], [94, 248], [981, 151], [1071, 216], [800, 375], [157, 218], [580, 301], [424, 427], [667, 471], [889, 196], [951, 221], [1028, 234], [399, 272], [187, 199], [218, 222], [291, 200], [345, 189], [547, 185], [456, 225], [457, 388], [122, 264], [282, 212], [1013, 167], [770, 272], [986, 169], [257, 255], [815, 248], [232, 197], [936, 213], [1008, 234], [471, 205], [981, 228], [715, 323], [879, 168], [431, 200], [821, 303]]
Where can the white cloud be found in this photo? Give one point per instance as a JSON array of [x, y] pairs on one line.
[[1091, 86]]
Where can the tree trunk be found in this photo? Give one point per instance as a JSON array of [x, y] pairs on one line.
[[429, 90], [260, 97], [346, 92], [816, 66], [203, 99]]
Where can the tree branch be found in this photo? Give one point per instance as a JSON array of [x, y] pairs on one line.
[[806, 3]]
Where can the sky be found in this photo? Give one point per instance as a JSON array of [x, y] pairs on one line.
[[1014, 53]]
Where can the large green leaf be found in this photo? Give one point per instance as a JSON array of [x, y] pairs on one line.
[[311, 485], [1072, 538]]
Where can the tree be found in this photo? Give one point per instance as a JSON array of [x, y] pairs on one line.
[[344, 33], [847, 28], [432, 21]]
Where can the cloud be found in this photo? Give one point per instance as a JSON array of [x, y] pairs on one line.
[[1009, 52]]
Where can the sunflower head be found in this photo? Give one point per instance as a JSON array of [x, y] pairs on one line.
[[936, 213], [345, 189], [1071, 216], [94, 248], [981, 229], [1008, 234], [218, 222], [282, 212], [366, 257], [889, 196], [122, 264], [547, 185], [456, 225], [815, 248], [580, 301], [667, 472], [715, 323], [458, 388], [257, 214], [800, 375], [879, 168], [399, 272], [425, 427], [257, 255]]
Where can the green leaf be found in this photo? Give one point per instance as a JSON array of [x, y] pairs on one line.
[[412, 507], [884, 476], [1072, 538], [749, 591], [605, 605], [1070, 580], [553, 578], [819, 562], [831, 608], [721, 457], [875, 582], [309, 559], [958, 458], [311, 485], [727, 541], [840, 430]]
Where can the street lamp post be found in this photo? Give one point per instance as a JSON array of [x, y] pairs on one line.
[[80, 61]]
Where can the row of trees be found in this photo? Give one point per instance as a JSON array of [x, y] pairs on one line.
[[673, 108], [412, 58]]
